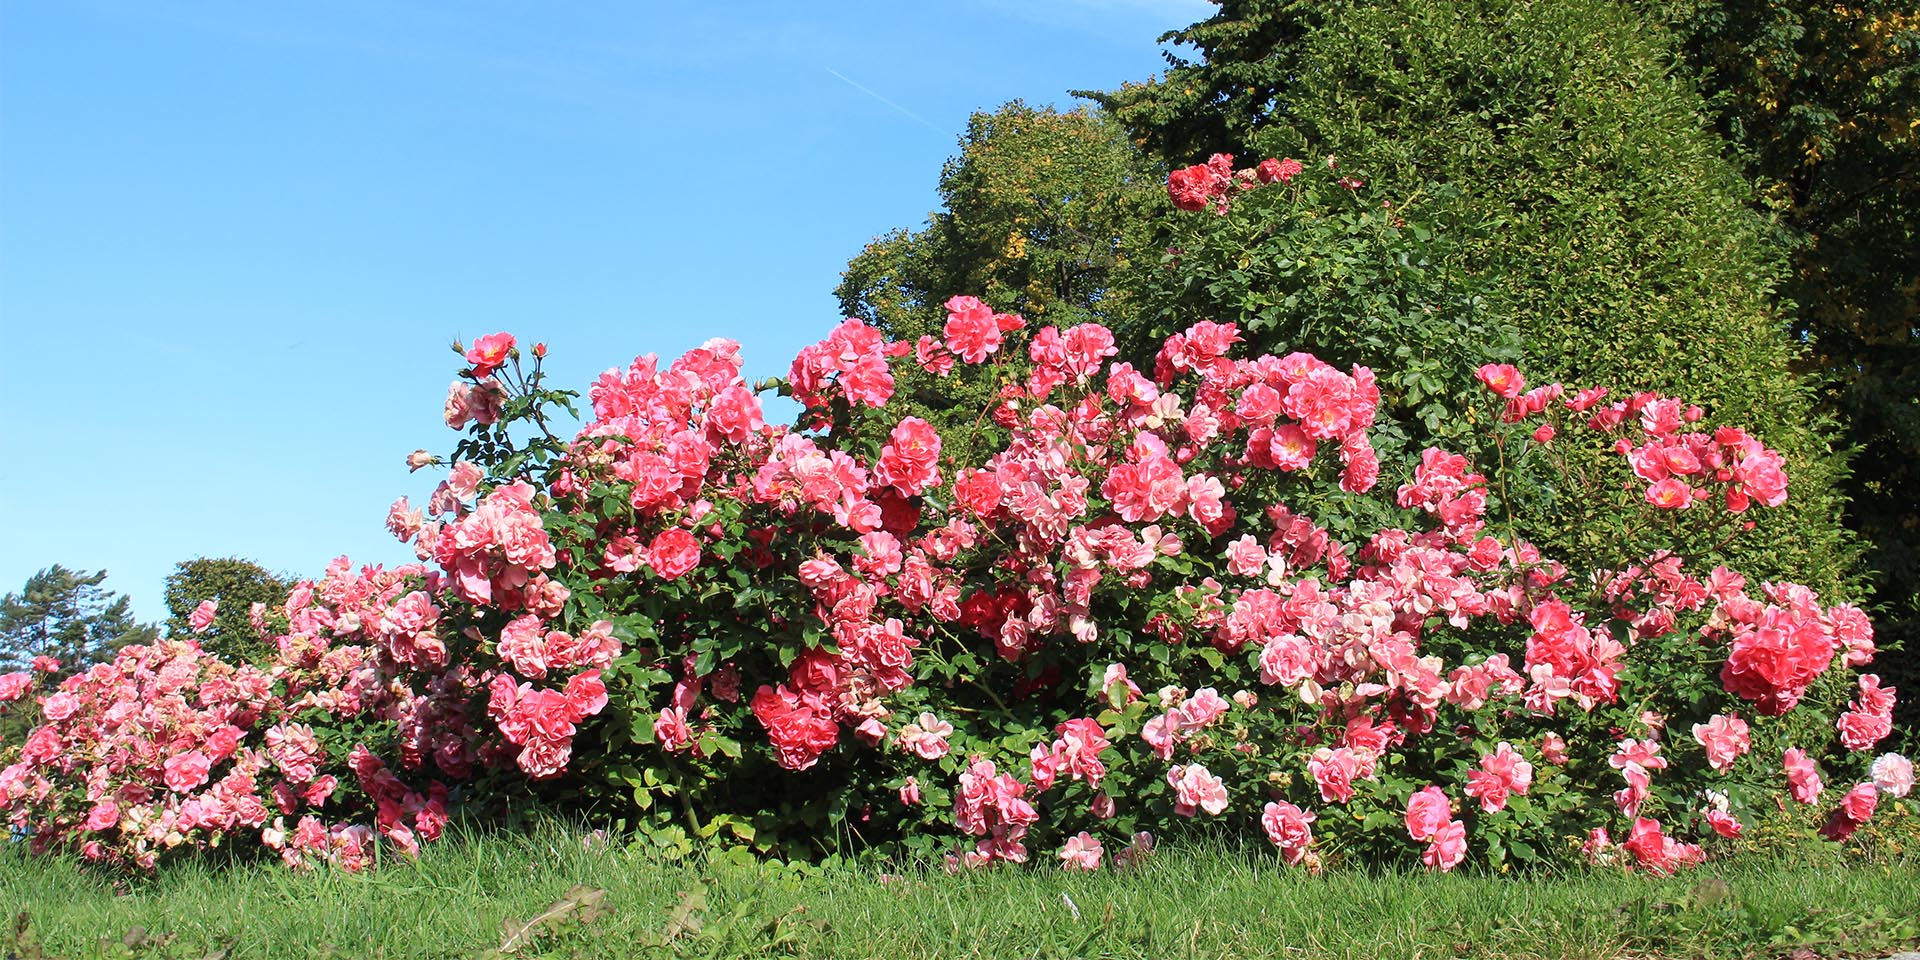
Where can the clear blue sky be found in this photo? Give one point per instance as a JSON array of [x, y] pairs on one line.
[[236, 238]]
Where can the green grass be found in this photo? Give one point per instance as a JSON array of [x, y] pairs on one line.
[[1204, 902]]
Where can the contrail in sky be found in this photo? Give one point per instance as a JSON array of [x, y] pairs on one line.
[[929, 124]]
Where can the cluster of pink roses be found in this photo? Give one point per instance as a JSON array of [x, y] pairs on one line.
[[166, 747], [1126, 525], [1214, 182]]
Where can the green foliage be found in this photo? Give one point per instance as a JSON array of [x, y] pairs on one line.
[[66, 614], [1033, 210], [1573, 171], [237, 585]]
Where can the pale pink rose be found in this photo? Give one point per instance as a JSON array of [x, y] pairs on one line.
[[1196, 788], [59, 706], [910, 792], [927, 739], [418, 459], [202, 616], [1289, 828], [523, 644], [464, 480], [1725, 738], [1081, 852], [13, 686], [485, 400], [1246, 558], [403, 521], [1334, 772], [459, 407], [1893, 774], [187, 771]]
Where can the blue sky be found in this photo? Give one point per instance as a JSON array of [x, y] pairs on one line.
[[236, 238]]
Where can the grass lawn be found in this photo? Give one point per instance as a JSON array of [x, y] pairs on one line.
[[549, 894]]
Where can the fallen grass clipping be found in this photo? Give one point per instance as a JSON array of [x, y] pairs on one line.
[[555, 892]]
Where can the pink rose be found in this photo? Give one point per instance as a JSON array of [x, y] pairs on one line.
[[187, 771], [1859, 802], [1803, 778], [459, 407], [490, 353], [105, 815], [1195, 787], [673, 553], [1427, 811], [585, 695], [13, 686], [1333, 771], [1191, 188], [1289, 828], [1501, 378], [59, 706], [1081, 852], [972, 332], [1725, 824], [1449, 847], [1725, 738], [464, 480], [202, 616], [927, 739], [671, 730], [1503, 772]]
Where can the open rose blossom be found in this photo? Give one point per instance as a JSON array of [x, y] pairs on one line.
[[1893, 774], [490, 353], [1290, 828], [1427, 811], [1725, 739]]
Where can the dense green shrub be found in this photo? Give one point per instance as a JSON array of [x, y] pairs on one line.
[[234, 585]]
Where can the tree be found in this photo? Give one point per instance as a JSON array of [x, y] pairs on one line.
[[236, 585], [1576, 171], [67, 615], [1033, 209]]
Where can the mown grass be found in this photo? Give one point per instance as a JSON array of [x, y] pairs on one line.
[[472, 894]]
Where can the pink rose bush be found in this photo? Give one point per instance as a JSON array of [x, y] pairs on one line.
[[1159, 594]]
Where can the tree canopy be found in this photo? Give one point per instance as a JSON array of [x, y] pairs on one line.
[[69, 616], [236, 585]]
